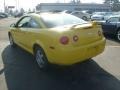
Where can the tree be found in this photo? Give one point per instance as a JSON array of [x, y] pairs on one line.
[[6, 10], [111, 1], [116, 7], [75, 1], [11, 12], [22, 10], [34, 10], [29, 10], [115, 4]]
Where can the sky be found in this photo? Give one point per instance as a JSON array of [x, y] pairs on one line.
[[26, 4]]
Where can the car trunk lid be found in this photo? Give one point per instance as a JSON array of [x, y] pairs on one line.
[[87, 33]]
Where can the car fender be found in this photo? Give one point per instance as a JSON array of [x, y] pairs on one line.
[[41, 45], [118, 28]]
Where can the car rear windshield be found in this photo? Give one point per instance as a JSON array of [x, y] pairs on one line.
[[55, 20]]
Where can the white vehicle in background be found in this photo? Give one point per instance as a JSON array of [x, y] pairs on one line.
[[67, 11], [102, 16], [82, 15], [106, 17]]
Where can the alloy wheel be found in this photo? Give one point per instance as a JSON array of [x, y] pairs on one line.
[[11, 40], [118, 35], [40, 58]]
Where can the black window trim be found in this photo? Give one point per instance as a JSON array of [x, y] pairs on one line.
[[16, 25], [20, 21]]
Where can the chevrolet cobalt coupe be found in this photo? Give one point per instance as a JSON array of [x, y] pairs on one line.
[[57, 38]]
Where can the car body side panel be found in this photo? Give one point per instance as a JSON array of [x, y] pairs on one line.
[[16, 34]]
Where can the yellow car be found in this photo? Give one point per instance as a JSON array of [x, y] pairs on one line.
[[57, 38]]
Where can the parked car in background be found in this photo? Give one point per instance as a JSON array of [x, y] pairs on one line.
[[66, 11], [82, 15], [88, 11], [101, 16], [112, 26], [19, 14], [3, 15], [57, 38]]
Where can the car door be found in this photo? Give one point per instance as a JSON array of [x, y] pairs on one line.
[[110, 25], [30, 33], [21, 27]]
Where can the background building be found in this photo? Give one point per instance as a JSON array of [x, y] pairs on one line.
[[72, 7]]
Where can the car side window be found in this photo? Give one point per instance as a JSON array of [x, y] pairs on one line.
[[24, 22], [114, 19], [75, 13], [80, 13], [33, 24]]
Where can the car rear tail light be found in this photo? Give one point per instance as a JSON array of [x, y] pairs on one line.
[[75, 38], [64, 40]]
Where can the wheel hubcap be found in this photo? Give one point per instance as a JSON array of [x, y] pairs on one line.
[[118, 35], [84, 18], [39, 58]]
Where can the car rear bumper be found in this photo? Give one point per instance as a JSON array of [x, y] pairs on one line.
[[77, 54]]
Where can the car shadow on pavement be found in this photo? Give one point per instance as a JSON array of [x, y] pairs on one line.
[[1, 71], [22, 73]]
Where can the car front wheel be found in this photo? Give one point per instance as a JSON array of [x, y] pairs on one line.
[[11, 41], [84, 18], [41, 58], [118, 35]]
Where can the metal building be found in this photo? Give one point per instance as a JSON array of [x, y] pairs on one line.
[[72, 7]]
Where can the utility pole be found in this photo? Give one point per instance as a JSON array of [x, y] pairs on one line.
[[4, 5], [18, 5]]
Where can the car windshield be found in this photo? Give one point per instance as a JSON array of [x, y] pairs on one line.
[[55, 20]]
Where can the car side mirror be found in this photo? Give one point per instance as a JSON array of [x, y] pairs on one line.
[[12, 25]]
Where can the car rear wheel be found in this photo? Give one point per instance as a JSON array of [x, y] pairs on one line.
[[118, 35], [41, 58], [11, 41]]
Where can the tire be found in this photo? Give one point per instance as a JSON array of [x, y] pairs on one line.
[[12, 44], [84, 18], [118, 35], [41, 58]]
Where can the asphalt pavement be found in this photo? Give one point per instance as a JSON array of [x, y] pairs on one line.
[[19, 71]]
